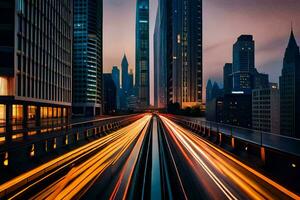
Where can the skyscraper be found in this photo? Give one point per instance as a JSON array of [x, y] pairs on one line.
[[243, 63], [290, 90], [187, 52], [266, 109], [161, 56], [131, 84], [125, 76], [142, 53], [209, 88], [116, 76], [87, 57], [116, 79], [109, 94], [36, 69]]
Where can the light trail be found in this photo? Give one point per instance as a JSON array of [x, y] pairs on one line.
[[65, 160], [75, 182], [250, 182]]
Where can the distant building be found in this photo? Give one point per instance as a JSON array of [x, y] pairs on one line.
[[227, 78], [260, 80], [36, 69], [125, 75], [142, 51], [209, 88], [290, 90], [109, 94], [214, 102], [132, 103], [87, 58], [238, 110], [131, 84], [116, 79], [245, 77], [243, 63], [266, 109], [215, 110]]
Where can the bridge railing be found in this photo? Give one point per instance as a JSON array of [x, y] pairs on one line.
[[264, 139]]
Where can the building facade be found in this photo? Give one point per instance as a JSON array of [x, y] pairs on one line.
[[160, 56], [290, 90], [35, 62], [187, 52], [142, 76], [87, 57], [125, 75], [243, 64], [238, 110], [266, 109], [109, 94], [227, 78], [116, 78]]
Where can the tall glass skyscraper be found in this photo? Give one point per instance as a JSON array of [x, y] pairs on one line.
[[35, 62], [87, 57], [290, 90], [243, 65], [187, 52], [142, 53]]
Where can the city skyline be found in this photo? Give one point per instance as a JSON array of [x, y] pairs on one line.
[[252, 19], [73, 125]]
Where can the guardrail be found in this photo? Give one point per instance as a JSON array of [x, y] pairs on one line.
[[57, 137], [273, 141]]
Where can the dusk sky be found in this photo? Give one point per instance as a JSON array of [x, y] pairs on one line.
[[269, 21]]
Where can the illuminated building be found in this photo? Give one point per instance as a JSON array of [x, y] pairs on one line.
[[187, 52], [142, 75], [87, 58], [290, 90], [36, 62], [178, 53]]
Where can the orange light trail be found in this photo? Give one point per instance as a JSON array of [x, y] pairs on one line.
[[228, 167], [112, 144]]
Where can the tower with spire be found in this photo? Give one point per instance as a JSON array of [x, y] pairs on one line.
[[290, 90], [125, 75]]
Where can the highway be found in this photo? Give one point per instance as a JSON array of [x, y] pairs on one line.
[[207, 172], [152, 158]]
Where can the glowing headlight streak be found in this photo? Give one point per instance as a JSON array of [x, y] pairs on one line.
[[247, 184], [215, 179], [65, 159]]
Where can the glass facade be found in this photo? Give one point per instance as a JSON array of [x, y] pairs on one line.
[[35, 60], [187, 74], [142, 52], [87, 57]]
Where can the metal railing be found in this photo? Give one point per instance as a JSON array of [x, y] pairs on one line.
[[273, 141]]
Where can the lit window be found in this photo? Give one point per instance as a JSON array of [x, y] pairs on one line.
[[17, 113]]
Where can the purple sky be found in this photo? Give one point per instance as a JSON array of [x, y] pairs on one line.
[[269, 21]]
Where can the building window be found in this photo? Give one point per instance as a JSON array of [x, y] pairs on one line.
[[44, 112], [17, 113], [32, 112], [2, 114]]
